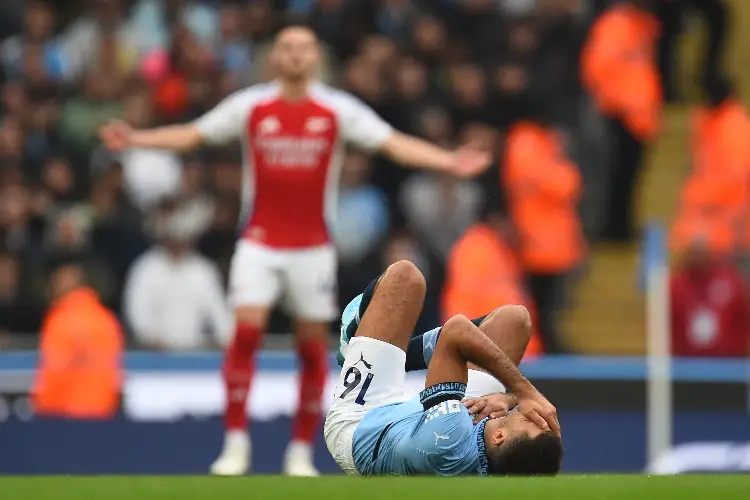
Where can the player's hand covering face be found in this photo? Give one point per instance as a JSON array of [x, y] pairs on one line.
[[493, 406], [536, 408]]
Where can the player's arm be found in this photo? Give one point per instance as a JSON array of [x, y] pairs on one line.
[[460, 342], [221, 125], [183, 137], [366, 130], [410, 151]]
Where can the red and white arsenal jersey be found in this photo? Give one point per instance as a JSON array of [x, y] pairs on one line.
[[293, 153]]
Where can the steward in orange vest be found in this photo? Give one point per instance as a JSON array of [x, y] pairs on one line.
[[483, 273], [80, 355]]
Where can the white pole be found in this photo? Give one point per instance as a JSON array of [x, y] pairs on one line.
[[659, 362]]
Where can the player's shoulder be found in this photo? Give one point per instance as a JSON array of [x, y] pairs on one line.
[[255, 94], [339, 99]]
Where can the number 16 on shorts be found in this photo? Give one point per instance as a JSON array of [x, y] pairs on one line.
[[353, 380]]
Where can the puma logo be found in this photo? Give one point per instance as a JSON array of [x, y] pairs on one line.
[[438, 437], [362, 360]]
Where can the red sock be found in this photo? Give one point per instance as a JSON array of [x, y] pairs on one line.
[[239, 364], [313, 355]]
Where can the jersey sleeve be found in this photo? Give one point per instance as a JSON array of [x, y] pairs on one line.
[[361, 126], [445, 434], [226, 121]]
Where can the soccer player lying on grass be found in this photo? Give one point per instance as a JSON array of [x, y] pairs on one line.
[[372, 428]]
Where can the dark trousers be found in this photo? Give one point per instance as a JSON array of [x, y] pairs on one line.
[[672, 14], [546, 290], [624, 166]]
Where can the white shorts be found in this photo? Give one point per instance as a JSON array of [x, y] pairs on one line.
[[302, 281], [373, 375]]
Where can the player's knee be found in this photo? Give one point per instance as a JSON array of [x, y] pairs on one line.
[[252, 316], [407, 277], [251, 322], [456, 325], [311, 330], [516, 317]]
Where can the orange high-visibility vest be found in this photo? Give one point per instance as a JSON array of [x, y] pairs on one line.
[[483, 274], [619, 69], [80, 359], [714, 200], [543, 191]]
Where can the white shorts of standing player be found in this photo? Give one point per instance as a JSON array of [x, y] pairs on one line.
[[303, 282]]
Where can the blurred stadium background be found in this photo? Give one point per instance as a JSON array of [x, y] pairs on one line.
[[659, 183]]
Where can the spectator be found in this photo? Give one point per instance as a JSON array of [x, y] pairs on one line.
[[484, 273], [710, 306], [395, 17], [439, 209], [619, 70], [14, 100], [674, 18], [41, 138], [58, 180], [714, 197], [37, 38], [81, 116], [173, 296], [12, 149], [362, 220], [543, 189], [152, 21], [116, 233], [79, 374], [218, 242], [234, 51], [100, 40], [18, 313], [67, 234], [195, 204], [362, 225], [468, 95]]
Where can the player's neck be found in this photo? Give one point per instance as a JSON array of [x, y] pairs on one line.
[[295, 90]]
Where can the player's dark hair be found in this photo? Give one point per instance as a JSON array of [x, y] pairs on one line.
[[527, 456]]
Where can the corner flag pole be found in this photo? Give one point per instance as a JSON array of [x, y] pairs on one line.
[[659, 359]]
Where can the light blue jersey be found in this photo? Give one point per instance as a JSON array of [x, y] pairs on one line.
[[405, 439]]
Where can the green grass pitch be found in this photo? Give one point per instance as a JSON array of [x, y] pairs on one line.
[[605, 487]]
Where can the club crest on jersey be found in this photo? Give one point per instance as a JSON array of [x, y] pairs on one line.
[[269, 125], [317, 124]]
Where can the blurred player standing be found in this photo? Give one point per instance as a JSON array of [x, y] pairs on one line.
[[293, 132]]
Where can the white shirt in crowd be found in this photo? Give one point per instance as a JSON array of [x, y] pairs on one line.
[[176, 303], [151, 175]]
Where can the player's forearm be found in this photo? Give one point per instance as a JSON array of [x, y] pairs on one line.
[[410, 151], [174, 137], [465, 340]]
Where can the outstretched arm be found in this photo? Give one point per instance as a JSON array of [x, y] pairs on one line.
[[183, 137], [461, 342], [363, 128], [410, 151], [221, 125]]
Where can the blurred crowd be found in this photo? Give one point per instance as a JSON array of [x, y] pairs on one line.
[[530, 80]]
